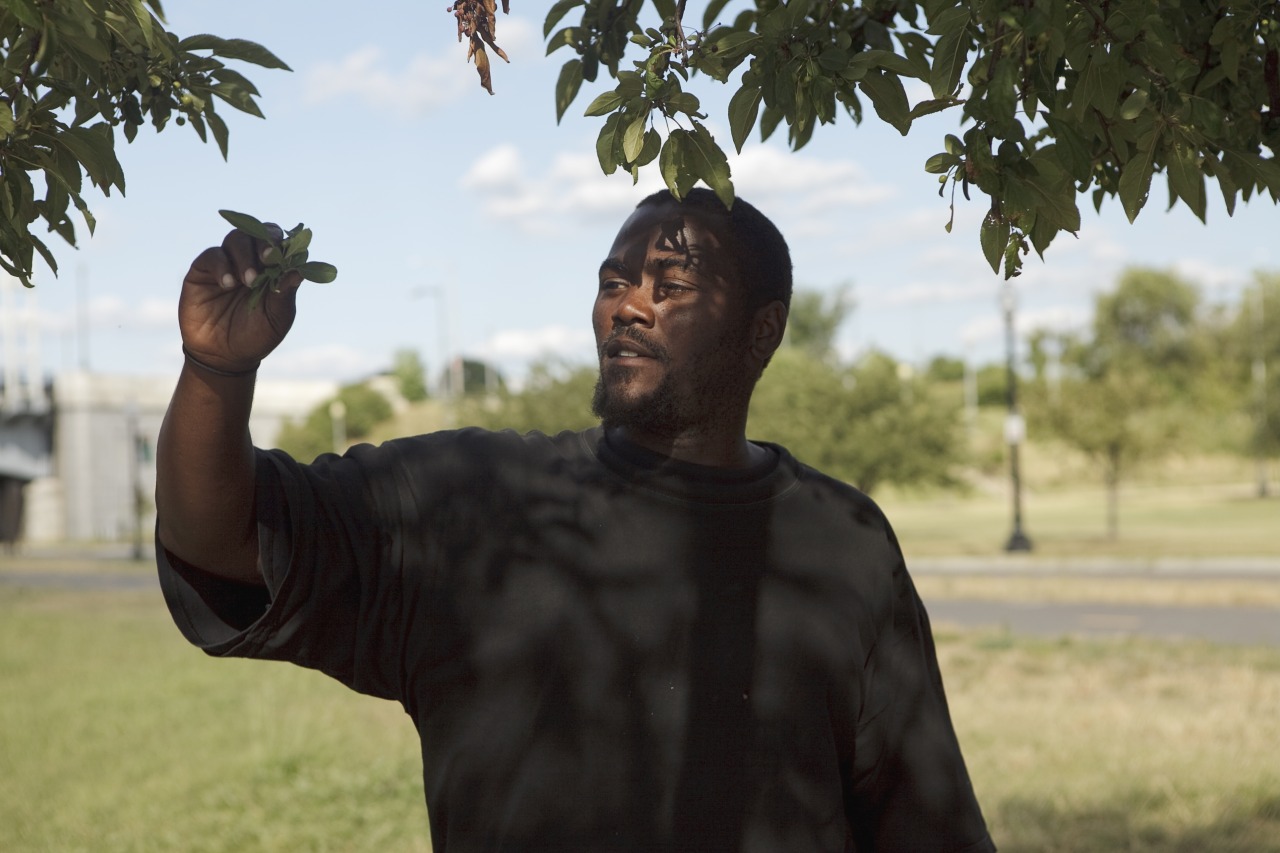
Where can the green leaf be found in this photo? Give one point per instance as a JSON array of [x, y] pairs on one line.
[[318, 271], [567, 86], [607, 144], [229, 75], [219, 129], [1134, 104], [712, 11], [950, 55], [1135, 176], [1073, 153], [933, 105], [246, 223], [708, 162], [744, 107], [6, 119], [671, 163], [735, 44], [95, 150], [633, 138], [26, 12], [556, 13], [1186, 181], [1226, 184], [649, 151], [242, 49], [297, 244], [604, 103], [562, 38], [889, 98], [994, 237], [942, 163], [1056, 192]]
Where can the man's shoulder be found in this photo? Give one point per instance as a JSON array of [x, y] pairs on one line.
[[810, 478]]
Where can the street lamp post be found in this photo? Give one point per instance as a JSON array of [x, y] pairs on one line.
[[1260, 390], [450, 384], [1015, 427]]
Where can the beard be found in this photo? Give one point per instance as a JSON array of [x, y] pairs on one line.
[[659, 412], [670, 407]]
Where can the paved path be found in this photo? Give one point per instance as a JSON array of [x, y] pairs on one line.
[[1255, 626], [1235, 625]]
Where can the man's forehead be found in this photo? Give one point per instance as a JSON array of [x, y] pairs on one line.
[[669, 229]]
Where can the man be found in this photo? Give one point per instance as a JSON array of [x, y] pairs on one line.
[[652, 635]]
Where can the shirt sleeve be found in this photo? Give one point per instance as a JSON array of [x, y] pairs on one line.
[[333, 593], [909, 788]]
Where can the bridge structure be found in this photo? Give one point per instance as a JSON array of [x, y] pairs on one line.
[[26, 409]]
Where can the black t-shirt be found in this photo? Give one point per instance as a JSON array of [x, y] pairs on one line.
[[607, 650]]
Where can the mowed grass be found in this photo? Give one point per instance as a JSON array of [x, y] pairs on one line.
[[116, 736], [1157, 519]]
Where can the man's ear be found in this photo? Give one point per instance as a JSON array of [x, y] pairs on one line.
[[767, 327]]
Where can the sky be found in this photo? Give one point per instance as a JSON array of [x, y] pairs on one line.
[[464, 223]]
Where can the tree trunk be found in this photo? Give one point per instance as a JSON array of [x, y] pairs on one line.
[[1112, 476]]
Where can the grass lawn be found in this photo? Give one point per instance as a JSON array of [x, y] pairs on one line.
[[116, 736], [1206, 507]]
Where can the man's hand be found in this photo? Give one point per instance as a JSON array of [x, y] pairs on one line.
[[214, 315]]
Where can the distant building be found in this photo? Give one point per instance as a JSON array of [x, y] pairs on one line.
[[98, 482]]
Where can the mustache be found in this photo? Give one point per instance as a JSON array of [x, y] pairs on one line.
[[631, 333]]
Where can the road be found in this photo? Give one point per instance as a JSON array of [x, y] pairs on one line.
[[1227, 624], [1253, 626]]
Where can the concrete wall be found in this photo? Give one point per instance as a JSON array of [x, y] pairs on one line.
[[105, 432]]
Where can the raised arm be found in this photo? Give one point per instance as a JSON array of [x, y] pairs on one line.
[[204, 459]]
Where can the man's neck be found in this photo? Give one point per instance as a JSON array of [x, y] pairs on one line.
[[696, 446]]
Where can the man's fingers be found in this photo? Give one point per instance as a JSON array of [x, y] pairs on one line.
[[211, 267], [244, 255]]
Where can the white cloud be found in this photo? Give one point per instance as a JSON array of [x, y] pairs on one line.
[[554, 341], [799, 191], [325, 361], [425, 83], [933, 293], [573, 188], [112, 312], [422, 84], [1060, 318]]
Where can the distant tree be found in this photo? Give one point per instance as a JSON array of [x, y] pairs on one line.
[[407, 368], [1116, 419], [1256, 334], [73, 71], [1122, 395], [992, 381], [364, 408], [945, 368], [866, 424], [815, 318], [555, 397], [1152, 318]]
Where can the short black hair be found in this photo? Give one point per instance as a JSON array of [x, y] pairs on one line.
[[761, 256]]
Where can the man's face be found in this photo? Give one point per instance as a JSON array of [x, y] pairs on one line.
[[670, 325]]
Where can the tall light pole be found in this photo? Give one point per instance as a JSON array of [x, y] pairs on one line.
[[1260, 391], [447, 376], [1015, 428]]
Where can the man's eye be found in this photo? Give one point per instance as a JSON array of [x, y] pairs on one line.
[[612, 284], [674, 287]]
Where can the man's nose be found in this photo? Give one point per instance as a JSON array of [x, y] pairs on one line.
[[634, 308]]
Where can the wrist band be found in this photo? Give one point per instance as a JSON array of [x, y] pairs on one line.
[[217, 371]]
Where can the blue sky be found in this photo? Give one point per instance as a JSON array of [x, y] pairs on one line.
[[416, 182]]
